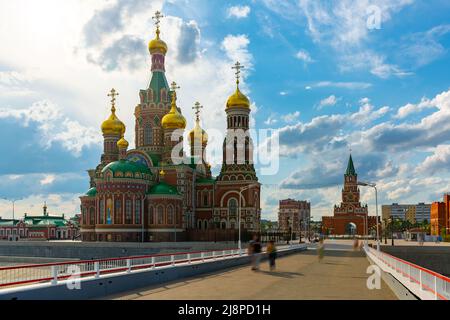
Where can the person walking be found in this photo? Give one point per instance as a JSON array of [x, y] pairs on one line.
[[320, 249], [272, 252], [256, 258]]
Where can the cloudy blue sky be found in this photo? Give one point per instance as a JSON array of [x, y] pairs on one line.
[[317, 74]]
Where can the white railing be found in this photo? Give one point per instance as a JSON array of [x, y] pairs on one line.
[[424, 283], [16, 276]]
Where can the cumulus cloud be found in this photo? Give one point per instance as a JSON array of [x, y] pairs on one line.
[[189, 41], [329, 171], [342, 25], [236, 48], [328, 102], [438, 161], [430, 131], [13, 83], [304, 56], [127, 52], [54, 127], [271, 120], [291, 117], [411, 108], [239, 12]]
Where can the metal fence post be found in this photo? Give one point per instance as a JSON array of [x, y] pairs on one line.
[[153, 263], [189, 258], [128, 265], [54, 275], [203, 256], [97, 269], [172, 259], [223, 254]]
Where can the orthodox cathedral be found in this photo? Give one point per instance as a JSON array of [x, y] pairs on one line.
[[157, 192]]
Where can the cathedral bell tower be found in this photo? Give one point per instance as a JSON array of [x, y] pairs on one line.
[[238, 145], [155, 101]]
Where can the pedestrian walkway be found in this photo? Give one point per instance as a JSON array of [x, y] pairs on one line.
[[341, 275]]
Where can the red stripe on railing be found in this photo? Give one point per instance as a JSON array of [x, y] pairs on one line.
[[438, 275], [114, 270], [416, 267], [108, 260]]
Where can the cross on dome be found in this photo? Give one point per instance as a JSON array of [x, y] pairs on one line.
[[238, 66], [197, 108], [157, 19], [174, 87], [113, 96]]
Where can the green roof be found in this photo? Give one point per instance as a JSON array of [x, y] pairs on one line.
[[92, 192], [163, 188], [41, 221], [126, 166], [158, 82], [155, 159], [206, 180], [7, 223], [350, 168]]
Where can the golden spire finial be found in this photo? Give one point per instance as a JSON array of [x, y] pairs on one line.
[[174, 88], [157, 19], [197, 108], [162, 174], [113, 96], [238, 66]]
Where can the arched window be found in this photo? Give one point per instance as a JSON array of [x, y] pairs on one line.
[[137, 211], [160, 215], [148, 135], [205, 199], [223, 225], [101, 219], [118, 212], [199, 224], [92, 215], [232, 207], [128, 209], [205, 224], [170, 215], [151, 217]]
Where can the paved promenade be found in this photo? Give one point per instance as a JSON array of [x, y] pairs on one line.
[[341, 275]]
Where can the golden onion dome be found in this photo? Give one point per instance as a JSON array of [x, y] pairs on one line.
[[122, 143], [174, 119], [113, 125], [157, 45], [238, 99], [198, 134]]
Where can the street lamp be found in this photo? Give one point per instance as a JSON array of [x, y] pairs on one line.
[[242, 189], [373, 185], [13, 201]]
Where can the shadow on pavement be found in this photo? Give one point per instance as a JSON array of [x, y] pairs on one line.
[[281, 274]]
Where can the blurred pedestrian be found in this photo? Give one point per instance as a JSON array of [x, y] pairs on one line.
[[256, 253], [272, 252], [321, 249], [355, 244]]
